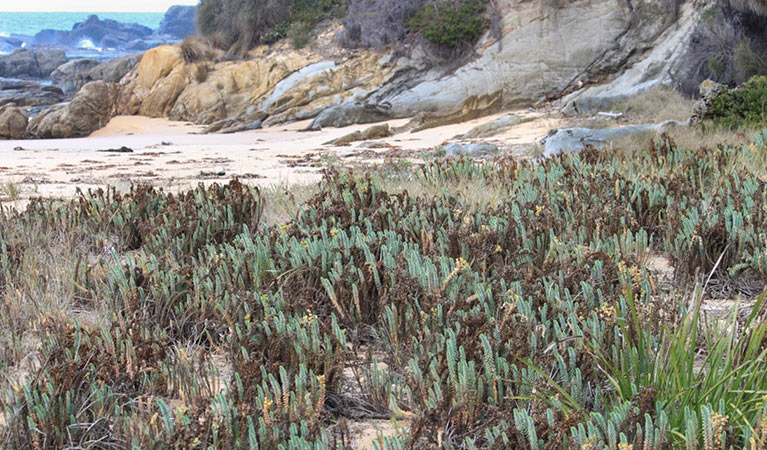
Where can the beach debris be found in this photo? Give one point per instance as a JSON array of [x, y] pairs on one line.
[[122, 149]]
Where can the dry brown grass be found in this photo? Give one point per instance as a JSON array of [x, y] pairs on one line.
[[655, 106], [197, 49], [282, 201]]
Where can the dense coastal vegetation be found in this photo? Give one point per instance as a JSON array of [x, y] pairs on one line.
[[469, 295], [475, 304], [239, 25]]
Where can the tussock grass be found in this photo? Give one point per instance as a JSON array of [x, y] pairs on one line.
[[655, 106]]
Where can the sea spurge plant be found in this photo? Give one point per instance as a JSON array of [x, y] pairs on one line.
[[532, 320]]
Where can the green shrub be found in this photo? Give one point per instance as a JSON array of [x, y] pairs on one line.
[[744, 105], [300, 33], [450, 22], [239, 25]]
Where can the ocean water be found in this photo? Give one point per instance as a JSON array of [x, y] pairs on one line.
[[30, 23]]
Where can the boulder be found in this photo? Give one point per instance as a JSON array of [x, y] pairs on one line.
[[31, 63], [573, 140], [374, 132], [350, 113], [90, 110], [471, 148], [114, 70], [28, 93], [13, 123], [73, 75], [179, 22]]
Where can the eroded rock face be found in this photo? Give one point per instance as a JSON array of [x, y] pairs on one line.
[[13, 123], [31, 63], [544, 52], [91, 109], [284, 85], [471, 108]]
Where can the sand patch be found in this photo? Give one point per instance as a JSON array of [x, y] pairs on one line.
[[172, 155]]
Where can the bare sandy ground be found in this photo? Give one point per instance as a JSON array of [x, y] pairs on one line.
[[173, 155]]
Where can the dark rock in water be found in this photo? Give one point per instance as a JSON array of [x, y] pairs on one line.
[[110, 41], [179, 22], [31, 63], [141, 45], [9, 44], [473, 148], [349, 114], [95, 30], [28, 94], [122, 149], [13, 123], [73, 75]]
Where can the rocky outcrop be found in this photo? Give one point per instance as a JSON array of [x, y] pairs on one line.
[[13, 123], [91, 109], [471, 108], [284, 84], [101, 33], [26, 63], [179, 22], [28, 93], [541, 52], [660, 62], [544, 52]]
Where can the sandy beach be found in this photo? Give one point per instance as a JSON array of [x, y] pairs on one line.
[[174, 155]]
